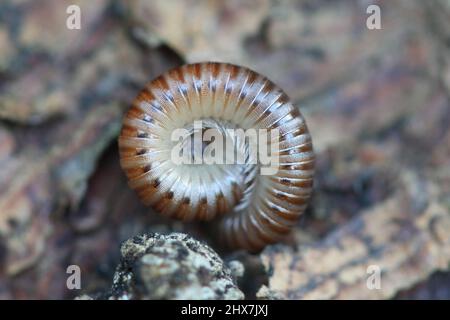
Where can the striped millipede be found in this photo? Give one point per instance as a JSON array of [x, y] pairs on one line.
[[251, 210]]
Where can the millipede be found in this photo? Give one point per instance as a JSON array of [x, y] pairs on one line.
[[250, 210]]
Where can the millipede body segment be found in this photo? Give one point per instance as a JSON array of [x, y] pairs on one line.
[[250, 209]]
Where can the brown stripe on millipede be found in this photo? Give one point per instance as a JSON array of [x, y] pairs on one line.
[[249, 210]]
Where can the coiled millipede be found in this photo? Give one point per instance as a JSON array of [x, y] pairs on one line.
[[251, 210]]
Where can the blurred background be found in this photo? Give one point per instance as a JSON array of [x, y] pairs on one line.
[[377, 103]]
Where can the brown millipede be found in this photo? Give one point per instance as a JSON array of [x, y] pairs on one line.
[[251, 209]]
